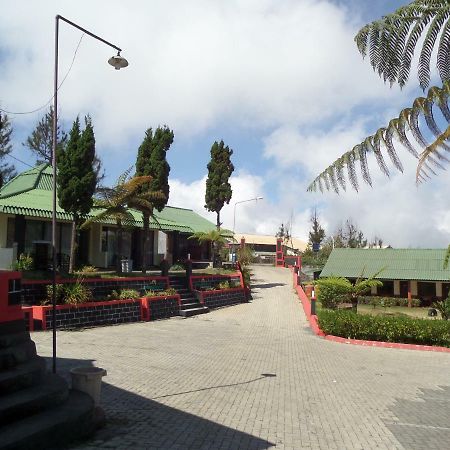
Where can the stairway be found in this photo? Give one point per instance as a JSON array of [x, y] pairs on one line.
[[37, 410], [189, 306]]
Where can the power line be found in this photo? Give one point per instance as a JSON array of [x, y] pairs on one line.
[[19, 160], [59, 87]]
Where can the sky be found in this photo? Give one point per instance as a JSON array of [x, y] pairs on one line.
[[280, 81]]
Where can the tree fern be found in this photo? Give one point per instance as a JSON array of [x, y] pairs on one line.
[[435, 155], [391, 42]]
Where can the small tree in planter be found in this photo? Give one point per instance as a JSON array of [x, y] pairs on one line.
[[335, 290], [214, 237]]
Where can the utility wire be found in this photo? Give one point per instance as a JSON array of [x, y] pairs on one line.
[[51, 98], [19, 160]]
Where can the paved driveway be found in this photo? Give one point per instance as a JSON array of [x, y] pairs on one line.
[[253, 376]]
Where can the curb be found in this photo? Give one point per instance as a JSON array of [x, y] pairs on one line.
[[329, 337]]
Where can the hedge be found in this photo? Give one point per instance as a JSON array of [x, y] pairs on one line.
[[387, 301], [407, 330]]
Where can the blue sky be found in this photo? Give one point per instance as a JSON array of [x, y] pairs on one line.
[[280, 81]]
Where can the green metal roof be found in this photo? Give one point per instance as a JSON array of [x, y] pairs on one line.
[[30, 194], [396, 264]]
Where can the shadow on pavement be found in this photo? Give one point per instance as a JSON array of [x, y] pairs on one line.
[[134, 420], [267, 285]]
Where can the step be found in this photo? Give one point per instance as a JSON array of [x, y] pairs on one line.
[[192, 305], [193, 311], [52, 428], [16, 354], [8, 340], [22, 376], [51, 392]]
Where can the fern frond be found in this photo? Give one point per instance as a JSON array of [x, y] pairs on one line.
[[430, 153], [427, 48], [443, 53]]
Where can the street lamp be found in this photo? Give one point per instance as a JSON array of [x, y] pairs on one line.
[[234, 215], [118, 62]]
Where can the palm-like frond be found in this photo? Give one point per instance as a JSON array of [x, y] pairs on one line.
[[391, 41], [434, 154]]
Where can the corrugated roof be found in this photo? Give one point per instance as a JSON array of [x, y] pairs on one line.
[[30, 194], [397, 264]]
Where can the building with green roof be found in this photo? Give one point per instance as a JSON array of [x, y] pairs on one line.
[[417, 273], [25, 227]]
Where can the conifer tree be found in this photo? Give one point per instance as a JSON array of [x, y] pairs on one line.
[[151, 161], [40, 141], [77, 178], [218, 188], [7, 171], [317, 233]]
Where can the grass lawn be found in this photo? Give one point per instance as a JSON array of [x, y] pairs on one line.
[[421, 313], [417, 312]]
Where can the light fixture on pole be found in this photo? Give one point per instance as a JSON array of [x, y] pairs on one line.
[[118, 62], [234, 214]]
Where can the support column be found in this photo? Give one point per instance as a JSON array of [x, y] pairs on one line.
[[439, 289], [396, 288]]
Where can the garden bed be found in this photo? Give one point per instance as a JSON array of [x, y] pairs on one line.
[[88, 314], [34, 291]]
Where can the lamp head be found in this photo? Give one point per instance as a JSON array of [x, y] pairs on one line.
[[118, 62]]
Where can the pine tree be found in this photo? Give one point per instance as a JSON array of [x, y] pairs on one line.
[[317, 233], [77, 178], [218, 188], [7, 171], [40, 142], [151, 161]]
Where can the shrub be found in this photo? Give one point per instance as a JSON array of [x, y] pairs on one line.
[[387, 301], [443, 306], [126, 294], [75, 293], [223, 285], [164, 293], [332, 291], [25, 262], [245, 255], [381, 328], [177, 266], [87, 269], [59, 294]]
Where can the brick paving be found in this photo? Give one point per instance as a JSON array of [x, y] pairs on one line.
[[253, 376]]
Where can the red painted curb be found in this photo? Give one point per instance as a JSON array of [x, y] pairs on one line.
[[329, 337]]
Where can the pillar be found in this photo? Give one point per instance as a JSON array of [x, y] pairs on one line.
[[396, 288], [439, 289]]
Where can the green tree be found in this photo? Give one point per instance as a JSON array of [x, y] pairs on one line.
[[151, 161], [114, 203], [40, 141], [334, 290], [218, 188], [317, 233], [76, 178], [7, 171], [283, 233]]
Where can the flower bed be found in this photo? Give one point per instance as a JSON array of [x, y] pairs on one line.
[[208, 282], [215, 291], [88, 314], [35, 291]]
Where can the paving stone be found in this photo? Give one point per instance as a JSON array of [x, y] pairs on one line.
[[202, 382]]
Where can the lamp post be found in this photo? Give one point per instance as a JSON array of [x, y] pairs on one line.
[[118, 62], [234, 214]]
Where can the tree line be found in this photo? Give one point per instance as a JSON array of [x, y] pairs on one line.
[[79, 177]]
